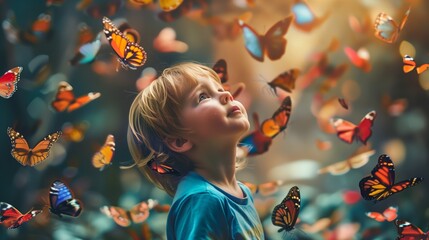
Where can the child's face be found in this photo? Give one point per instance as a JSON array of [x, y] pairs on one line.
[[212, 113]]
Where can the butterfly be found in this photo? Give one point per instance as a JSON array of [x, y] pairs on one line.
[[62, 202], [12, 217], [265, 189], [74, 132], [86, 53], [305, 19], [65, 99], [8, 82], [166, 5], [285, 80], [386, 29], [221, 69], [259, 140], [103, 157], [137, 214], [347, 131], [343, 103], [30, 156], [192, 9], [285, 214], [229, 30], [161, 168], [147, 76], [359, 58], [381, 183], [390, 214], [166, 42], [356, 161], [394, 107], [408, 231], [409, 65], [130, 54], [272, 44]]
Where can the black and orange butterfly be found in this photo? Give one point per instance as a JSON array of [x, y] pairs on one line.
[[286, 213], [65, 98], [258, 141], [8, 82], [62, 201], [348, 131], [30, 156], [13, 218], [381, 183], [272, 44], [130, 54], [410, 65], [285, 80], [137, 214], [161, 168], [103, 158], [408, 231]]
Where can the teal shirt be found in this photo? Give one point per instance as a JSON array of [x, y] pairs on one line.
[[200, 210]]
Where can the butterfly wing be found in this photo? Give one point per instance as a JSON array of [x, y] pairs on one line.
[[12, 218], [346, 130], [305, 19], [274, 42], [286, 213], [285, 80], [8, 82], [376, 216], [360, 159], [364, 127], [86, 53], [131, 55], [41, 151], [221, 70], [278, 122], [62, 202], [161, 168], [386, 29], [421, 69], [408, 231], [64, 97], [253, 187], [169, 5], [103, 158], [409, 64], [119, 215], [140, 212], [338, 168], [391, 213], [253, 42], [20, 148], [83, 100]]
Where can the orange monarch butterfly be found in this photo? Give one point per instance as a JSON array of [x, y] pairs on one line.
[[30, 156], [285, 80], [162, 168], [409, 65], [65, 98], [285, 214], [386, 29], [8, 82], [13, 218], [381, 183], [130, 54], [347, 131], [103, 157], [408, 231], [137, 214]]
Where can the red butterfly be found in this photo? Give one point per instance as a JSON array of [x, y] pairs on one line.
[[160, 168], [12, 218], [381, 183], [348, 131], [408, 231], [9, 81], [286, 213], [65, 98], [390, 214]]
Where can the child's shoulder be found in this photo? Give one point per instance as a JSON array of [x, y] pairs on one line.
[[194, 185]]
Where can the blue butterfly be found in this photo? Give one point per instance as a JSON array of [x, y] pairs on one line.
[[386, 29], [86, 53], [62, 201], [273, 44], [305, 19]]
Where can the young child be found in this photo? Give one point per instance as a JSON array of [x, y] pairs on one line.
[[183, 133]]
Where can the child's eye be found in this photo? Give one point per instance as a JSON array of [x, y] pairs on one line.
[[202, 96]]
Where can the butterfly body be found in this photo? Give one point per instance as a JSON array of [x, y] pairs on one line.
[[8, 82], [30, 156], [62, 201], [130, 54], [381, 183], [272, 44], [12, 218], [286, 213]]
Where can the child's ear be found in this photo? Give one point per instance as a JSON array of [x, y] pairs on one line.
[[178, 144]]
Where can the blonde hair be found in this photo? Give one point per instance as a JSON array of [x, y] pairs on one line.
[[155, 115]]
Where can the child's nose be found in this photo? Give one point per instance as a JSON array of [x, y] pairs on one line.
[[226, 97]]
